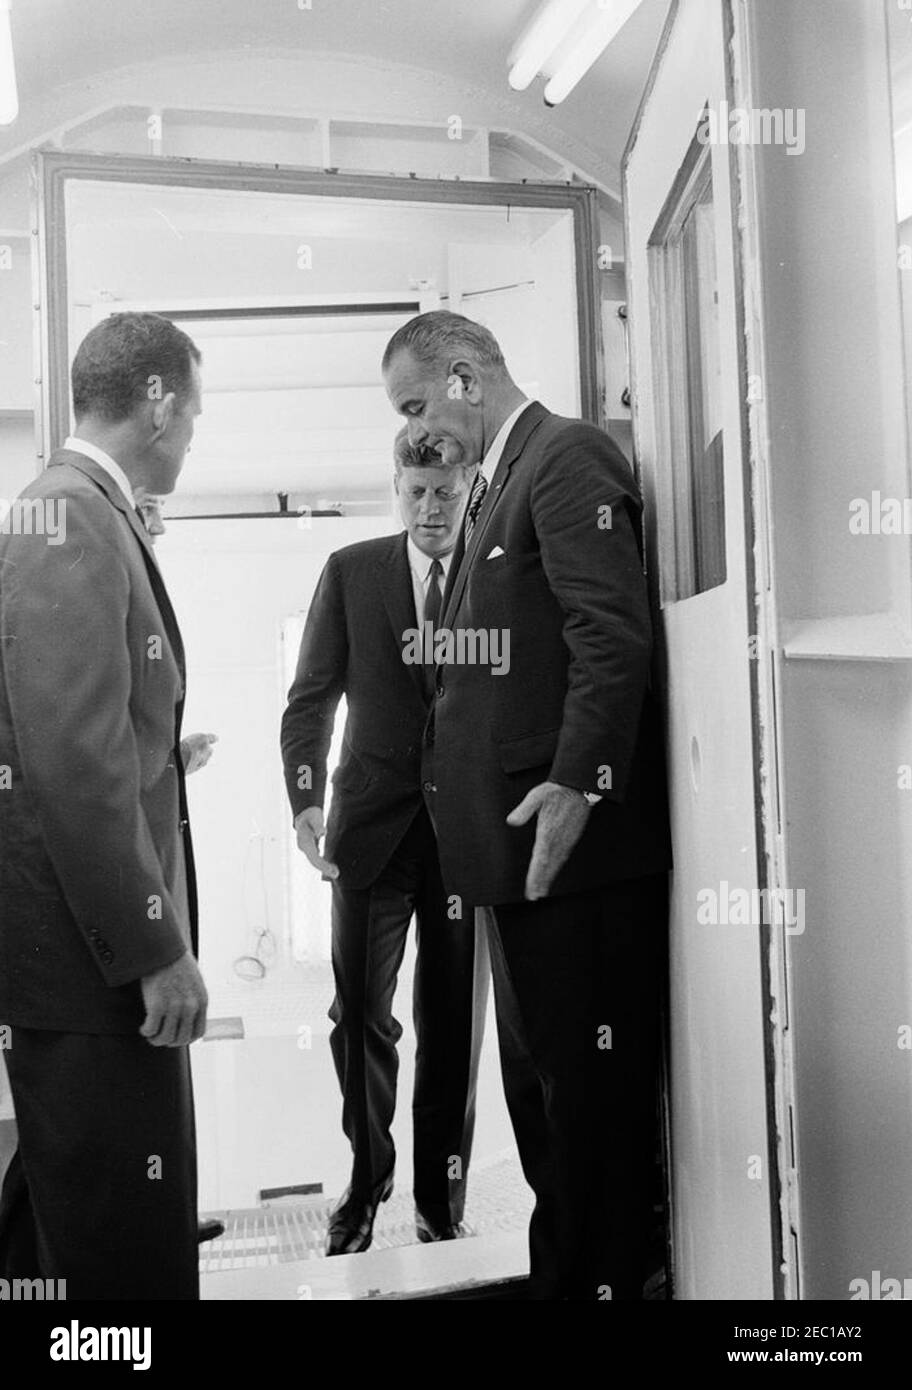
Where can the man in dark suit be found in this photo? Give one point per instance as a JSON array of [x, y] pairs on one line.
[[98, 979], [546, 787], [373, 601]]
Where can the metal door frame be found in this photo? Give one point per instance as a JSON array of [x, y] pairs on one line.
[[52, 169]]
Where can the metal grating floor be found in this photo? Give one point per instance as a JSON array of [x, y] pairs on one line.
[[295, 1229]]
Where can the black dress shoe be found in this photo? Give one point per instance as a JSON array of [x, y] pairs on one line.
[[351, 1226], [428, 1232], [209, 1230]]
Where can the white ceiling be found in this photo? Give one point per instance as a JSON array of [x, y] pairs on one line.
[[63, 42]]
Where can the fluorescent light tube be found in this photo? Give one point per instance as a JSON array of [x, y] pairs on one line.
[[546, 32], [608, 17]]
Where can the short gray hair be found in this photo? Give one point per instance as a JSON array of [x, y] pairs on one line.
[[437, 337]]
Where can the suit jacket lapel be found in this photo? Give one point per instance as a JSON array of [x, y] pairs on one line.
[[399, 599], [115, 496], [453, 571], [464, 555]]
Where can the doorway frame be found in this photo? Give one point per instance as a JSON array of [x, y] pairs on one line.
[[52, 169], [763, 687]]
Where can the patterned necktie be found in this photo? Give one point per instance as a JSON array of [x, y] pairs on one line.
[[432, 601], [479, 489]]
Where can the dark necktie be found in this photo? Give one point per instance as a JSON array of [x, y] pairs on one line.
[[479, 489], [432, 602]]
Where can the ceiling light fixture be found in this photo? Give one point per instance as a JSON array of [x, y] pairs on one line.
[[9, 100], [604, 24], [547, 31], [566, 38]]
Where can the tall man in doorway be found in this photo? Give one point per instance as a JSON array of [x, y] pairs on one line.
[[99, 983], [380, 854], [546, 788]]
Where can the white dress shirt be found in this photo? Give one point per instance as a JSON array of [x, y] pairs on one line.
[[492, 457], [91, 451], [420, 567]]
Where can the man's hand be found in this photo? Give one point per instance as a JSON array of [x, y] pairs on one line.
[[196, 750], [562, 815], [176, 1002], [310, 829]]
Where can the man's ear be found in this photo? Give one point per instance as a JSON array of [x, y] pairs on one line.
[[162, 413], [463, 382]]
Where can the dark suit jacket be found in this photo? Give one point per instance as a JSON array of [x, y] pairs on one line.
[[96, 868], [353, 645], [572, 596]]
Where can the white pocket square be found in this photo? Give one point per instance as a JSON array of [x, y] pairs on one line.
[[498, 550]]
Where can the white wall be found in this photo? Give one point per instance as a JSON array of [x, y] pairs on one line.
[[834, 428], [267, 1107]]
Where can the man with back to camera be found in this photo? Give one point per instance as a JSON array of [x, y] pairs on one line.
[[381, 856], [100, 984], [545, 783]]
